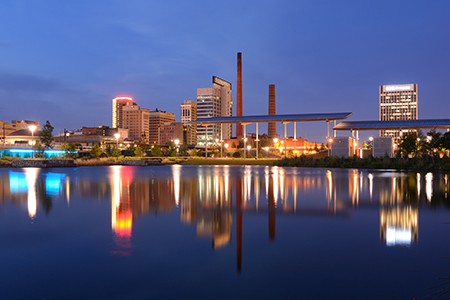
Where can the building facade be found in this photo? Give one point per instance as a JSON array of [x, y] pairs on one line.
[[169, 132], [188, 114], [216, 101], [398, 102], [136, 120], [117, 106], [157, 119]]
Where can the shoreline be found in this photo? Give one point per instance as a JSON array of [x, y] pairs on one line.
[[399, 164]]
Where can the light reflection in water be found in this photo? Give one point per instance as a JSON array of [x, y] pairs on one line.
[[121, 214], [206, 197], [31, 175], [176, 171], [429, 186]]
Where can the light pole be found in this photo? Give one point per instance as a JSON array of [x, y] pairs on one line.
[[177, 142], [330, 141], [117, 136], [245, 153], [226, 147], [32, 128], [248, 150]]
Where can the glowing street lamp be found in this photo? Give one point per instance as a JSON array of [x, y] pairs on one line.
[[176, 142], [330, 141], [32, 128], [371, 138], [248, 149], [117, 137]]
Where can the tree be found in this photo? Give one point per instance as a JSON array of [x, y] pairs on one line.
[[138, 151], [96, 151], [156, 151], [46, 136], [408, 143], [70, 148]]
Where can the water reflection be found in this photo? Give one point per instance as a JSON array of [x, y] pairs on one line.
[[206, 197]]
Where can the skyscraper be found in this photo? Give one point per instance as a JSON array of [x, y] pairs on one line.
[[157, 119], [212, 102], [398, 102], [188, 114], [117, 104]]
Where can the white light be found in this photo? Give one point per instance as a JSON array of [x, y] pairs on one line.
[[398, 236], [398, 88]]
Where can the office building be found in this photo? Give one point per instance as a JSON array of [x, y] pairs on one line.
[[169, 132], [188, 114], [136, 120], [157, 119], [117, 105], [398, 102], [216, 101]]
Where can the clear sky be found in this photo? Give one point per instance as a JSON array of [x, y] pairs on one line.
[[64, 61]]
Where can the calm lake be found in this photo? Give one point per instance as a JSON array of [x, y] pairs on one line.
[[223, 232]]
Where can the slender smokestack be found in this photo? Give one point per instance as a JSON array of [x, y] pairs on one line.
[[239, 94], [272, 126]]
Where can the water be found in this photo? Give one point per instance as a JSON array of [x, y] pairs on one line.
[[223, 232]]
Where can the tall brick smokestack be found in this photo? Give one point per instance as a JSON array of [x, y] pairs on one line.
[[272, 126], [239, 94]]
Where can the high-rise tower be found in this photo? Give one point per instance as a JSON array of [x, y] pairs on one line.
[[398, 102], [117, 104], [216, 101]]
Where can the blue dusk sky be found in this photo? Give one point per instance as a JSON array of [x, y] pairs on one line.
[[64, 61]]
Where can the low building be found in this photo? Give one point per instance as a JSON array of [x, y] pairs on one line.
[[383, 146], [343, 146]]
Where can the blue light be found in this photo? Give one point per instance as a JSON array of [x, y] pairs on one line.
[[17, 182], [53, 183]]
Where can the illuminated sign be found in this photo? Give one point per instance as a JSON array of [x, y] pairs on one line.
[[221, 82], [398, 88]]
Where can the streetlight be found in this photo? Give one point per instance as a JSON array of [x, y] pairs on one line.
[[176, 142], [32, 128], [248, 149], [245, 141], [330, 141], [117, 136], [226, 147]]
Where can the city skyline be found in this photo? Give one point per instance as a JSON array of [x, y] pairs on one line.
[[64, 63]]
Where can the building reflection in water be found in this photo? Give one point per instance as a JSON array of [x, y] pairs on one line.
[[121, 214], [207, 196], [33, 186]]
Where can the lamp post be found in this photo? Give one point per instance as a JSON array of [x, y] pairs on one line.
[[32, 128], [245, 153], [248, 149], [176, 142], [330, 141], [117, 137], [226, 147]]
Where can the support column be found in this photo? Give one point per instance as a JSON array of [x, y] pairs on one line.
[[334, 131], [295, 136], [285, 139], [221, 140], [206, 141], [244, 125], [257, 141]]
